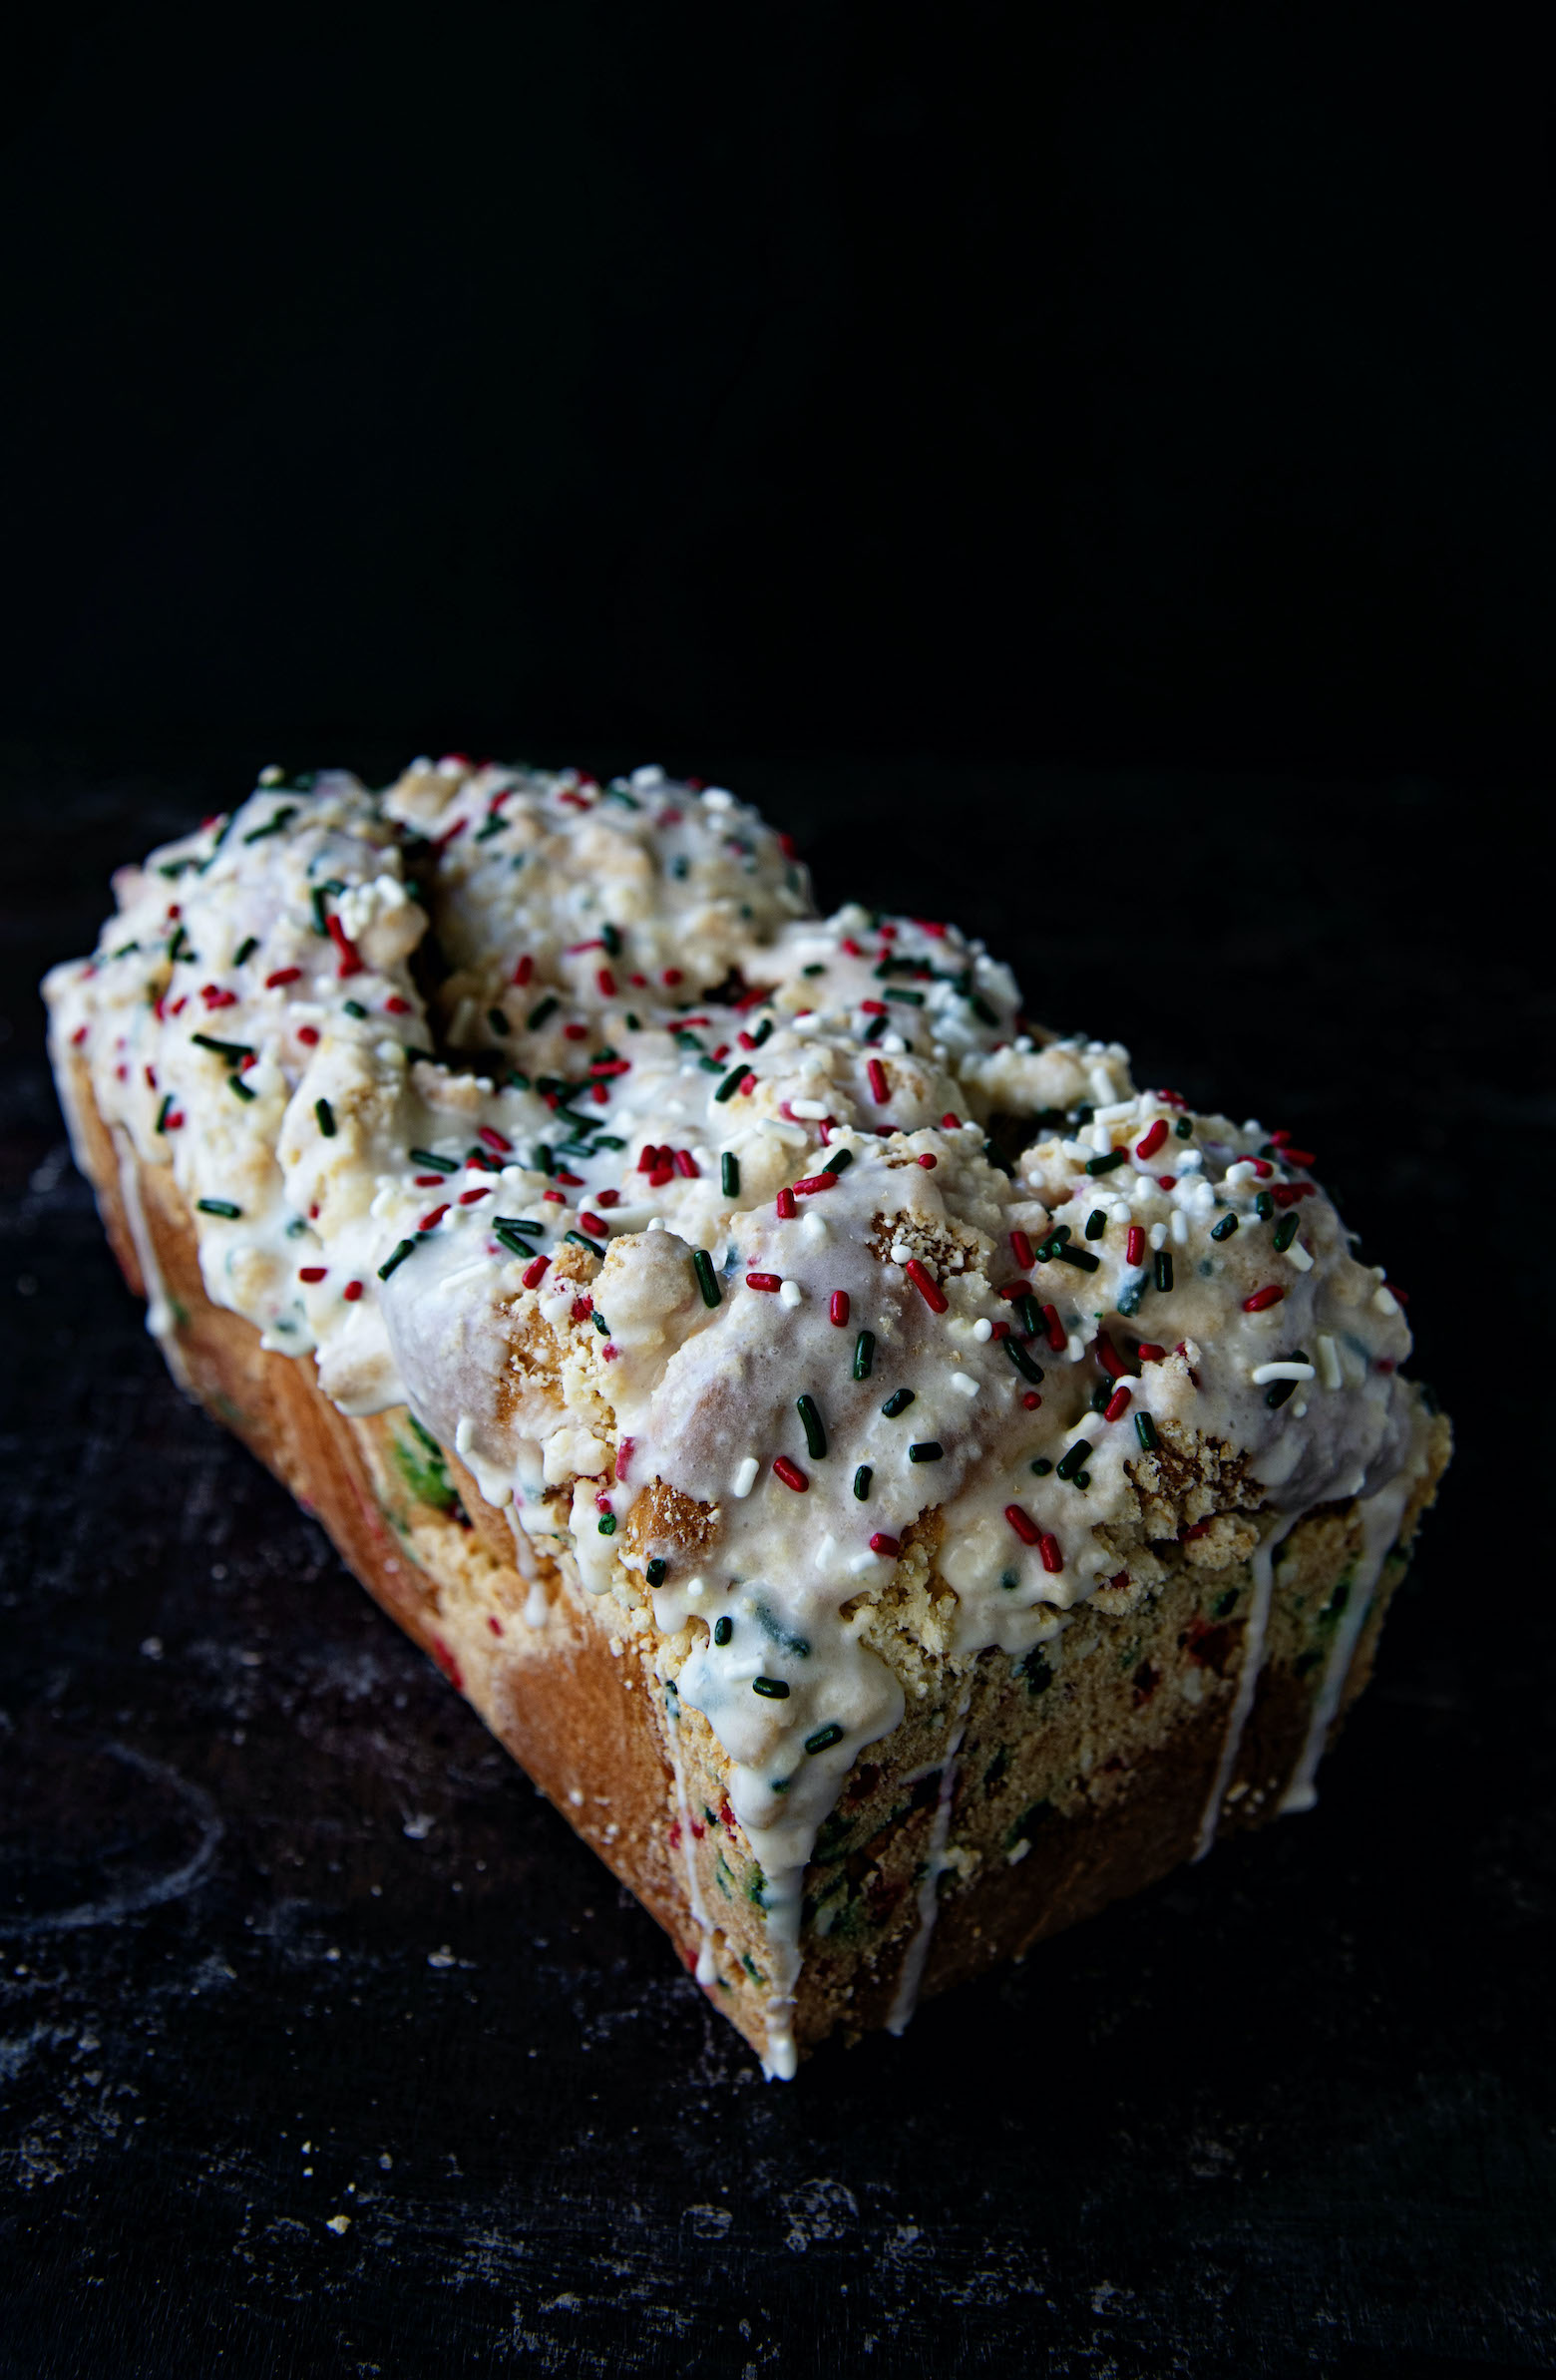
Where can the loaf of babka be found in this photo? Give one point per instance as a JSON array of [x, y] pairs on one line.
[[894, 1485]]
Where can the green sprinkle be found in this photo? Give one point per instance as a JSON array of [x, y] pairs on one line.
[[1284, 1234], [405, 1249], [864, 1355], [240, 1088], [731, 1082], [327, 1117], [607, 1524], [494, 826], [814, 1427], [438, 1164], [514, 1080], [1184, 1127], [1074, 1459], [927, 1450], [1223, 1229], [1277, 1394], [1263, 1206], [654, 1573], [619, 793], [1096, 1224], [354, 1007], [723, 1628], [981, 1008], [540, 1160], [1022, 1361], [1161, 1270], [775, 1689], [1027, 1314], [246, 949], [897, 1403], [499, 1022], [316, 904], [914, 999], [1095, 1165], [608, 1140], [862, 1480], [164, 1112], [611, 940], [730, 1174], [1081, 1258], [762, 1033], [817, 967], [1082, 1479], [220, 1206], [824, 1737], [633, 1024], [1101, 1397], [532, 1231], [509, 1236], [594, 1247], [708, 1281], [541, 1009], [1042, 1467], [233, 1051], [711, 1065], [601, 1324], [839, 1161], [272, 826]]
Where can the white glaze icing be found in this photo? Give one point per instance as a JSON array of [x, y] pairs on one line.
[[638, 997]]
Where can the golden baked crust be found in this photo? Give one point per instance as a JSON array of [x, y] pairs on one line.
[[1014, 1797]]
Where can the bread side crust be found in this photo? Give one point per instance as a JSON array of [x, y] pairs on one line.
[[578, 1704]]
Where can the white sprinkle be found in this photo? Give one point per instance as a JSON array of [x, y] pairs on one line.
[[1241, 1172], [901, 1252], [1298, 1255], [643, 778], [1328, 1363], [714, 797], [272, 776], [790, 1294], [1263, 1374], [1120, 1211], [965, 1385], [893, 1045], [814, 1228], [815, 1108], [858, 1564], [805, 1024], [1299, 1409], [1158, 1235], [1180, 1228], [1101, 1139], [694, 1586], [1384, 1301], [745, 1478], [983, 1329], [1074, 1347]]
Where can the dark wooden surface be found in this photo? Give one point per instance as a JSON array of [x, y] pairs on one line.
[[283, 1938]]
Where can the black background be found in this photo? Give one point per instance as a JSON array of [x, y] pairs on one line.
[[1091, 475]]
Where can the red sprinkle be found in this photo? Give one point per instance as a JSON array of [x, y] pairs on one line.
[[394, 1005], [928, 1161], [790, 1473], [672, 975], [1021, 1250], [881, 1543], [1022, 1523], [880, 1090], [607, 1198], [606, 981], [1269, 1295], [1049, 1545], [494, 1623], [1134, 1245], [581, 1309], [785, 1204], [78, 1036], [468, 1198], [1149, 1352], [1298, 1156], [849, 944], [1117, 1405], [927, 1286], [351, 962], [603, 1067], [494, 1140], [283, 974], [839, 1308], [873, 1008], [764, 1281], [311, 1272], [575, 1032], [1031, 1401], [1109, 1357], [351, 1292], [625, 1455], [307, 1033], [1166, 1181], [214, 997], [950, 1123], [524, 970], [433, 1218], [574, 1181], [1153, 1139], [814, 1182], [533, 1273], [594, 1226], [1014, 1289], [1055, 1329], [686, 1165], [428, 1181]]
